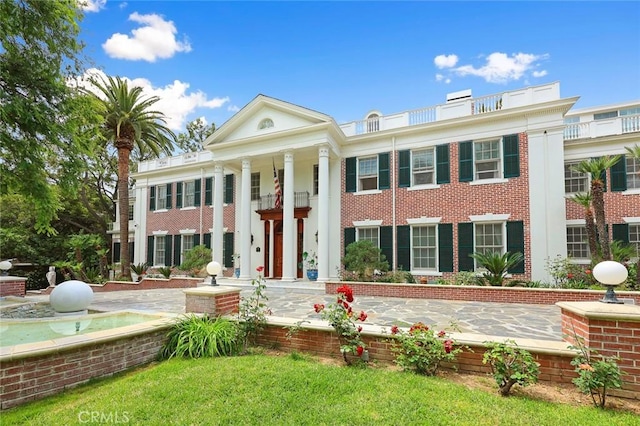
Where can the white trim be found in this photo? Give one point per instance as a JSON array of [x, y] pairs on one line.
[[420, 187], [631, 219], [426, 272], [160, 233], [161, 211], [187, 208], [368, 191], [576, 222], [489, 217], [634, 191], [424, 220], [187, 231], [366, 222], [488, 181]]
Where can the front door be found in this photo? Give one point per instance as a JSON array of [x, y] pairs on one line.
[[277, 250]]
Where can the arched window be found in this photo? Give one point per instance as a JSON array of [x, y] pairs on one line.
[[373, 122], [265, 124]]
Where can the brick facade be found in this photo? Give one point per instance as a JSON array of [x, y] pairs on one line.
[[13, 286]]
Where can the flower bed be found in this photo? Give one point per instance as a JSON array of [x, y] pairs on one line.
[[536, 296]]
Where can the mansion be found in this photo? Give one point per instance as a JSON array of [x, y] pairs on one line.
[[428, 186]]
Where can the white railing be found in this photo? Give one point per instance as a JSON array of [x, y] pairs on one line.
[[487, 104], [179, 160], [631, 124], [422, 116], [599, 128]]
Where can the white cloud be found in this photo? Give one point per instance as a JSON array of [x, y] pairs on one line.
[[92, 5], [501, 68], [154, 39], [440, 77], [233, 108], [539, 73], [175, 100], [445, 61], [123, 5]]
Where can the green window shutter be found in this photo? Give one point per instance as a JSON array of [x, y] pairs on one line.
[[132, 248], [403, 244], [404, 169], [197, 192], [228, 188], [349, 237], [207, 240], [619, 175], [350, 174], [116, 252], [227, 249], [386, 244], [515, 243], [152, 198], [168, 245], [384, 178], [150, 250], [465, 169], [208, 191], [465, 247], [620, 232], [511, 156], [442, 164], [445, 247], [177, 250], [196, 240], [169, 203], [178, 195]]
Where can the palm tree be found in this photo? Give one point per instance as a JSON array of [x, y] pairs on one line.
[[597, 167], [129, 121], [584, 199]]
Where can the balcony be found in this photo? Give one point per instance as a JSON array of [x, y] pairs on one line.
[[454, 109], [268, 202], [598, 128]]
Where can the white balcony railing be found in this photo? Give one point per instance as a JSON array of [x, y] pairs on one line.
[[599, 128]]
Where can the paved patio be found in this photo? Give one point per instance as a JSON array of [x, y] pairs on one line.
[[295, 300]]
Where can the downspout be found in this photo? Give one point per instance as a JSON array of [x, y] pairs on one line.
[[202, 205], [393, 202]]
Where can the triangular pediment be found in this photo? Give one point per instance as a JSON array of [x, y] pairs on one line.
[[265, 115]]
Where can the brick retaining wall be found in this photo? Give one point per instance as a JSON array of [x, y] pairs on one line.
[[536, 296], [144, 284], [12, 286]]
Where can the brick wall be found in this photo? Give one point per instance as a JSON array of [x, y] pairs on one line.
[[536, 296], [33, 378], [213, 301], [12, 286]]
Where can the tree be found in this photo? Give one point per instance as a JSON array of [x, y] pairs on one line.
[[129, 122], [193, 139], [584, 199], [597, 168], [364, 258], [40, 114]]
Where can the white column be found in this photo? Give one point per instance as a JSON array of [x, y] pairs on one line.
[[271, 246], [288, 223], [218, 209], [245, 221], [323, 214]]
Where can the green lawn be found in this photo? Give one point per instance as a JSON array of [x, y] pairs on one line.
[[268, 390]]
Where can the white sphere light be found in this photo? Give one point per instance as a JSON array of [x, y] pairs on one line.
[[71, 296], [214, 268], [609, 272]]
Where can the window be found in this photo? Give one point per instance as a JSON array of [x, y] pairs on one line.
[[373, 123], [160, 250], [574, 181], [488, 238], [629, 111], [189, 194], [633, 172], [487, 159], [315, 179], [423, 167], [605, 115], [161, 193], [571, 120], [187, 244], [370, 234], [577, 242], [255, 186], [634, 237], [265, 124], [131, 207], [367, 173], [424, 247]]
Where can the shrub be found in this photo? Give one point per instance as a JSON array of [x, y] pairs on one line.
[[197, 337], [165, 271], [497, 265], [510, 365], [253, 311], [196, 258], [364, 259], [596, 373], [421, 350], [567, 274]]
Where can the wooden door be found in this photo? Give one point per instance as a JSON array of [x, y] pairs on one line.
[[277, 250]]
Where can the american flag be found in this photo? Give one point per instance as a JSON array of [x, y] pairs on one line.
[[276, 183]]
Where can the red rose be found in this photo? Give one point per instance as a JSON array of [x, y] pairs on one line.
[[570, 276], [363, 316], [448, 345], [360, 350], [359, 328], [442, 333], [260, 269], [418, 327], [588, 272], [346, 305], [347, 292], [394, 329], [318, 307]]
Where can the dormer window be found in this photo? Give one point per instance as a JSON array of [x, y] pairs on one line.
[[265, 124], [373, 122]]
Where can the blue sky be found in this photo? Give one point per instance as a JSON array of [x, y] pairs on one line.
[[208, 58]]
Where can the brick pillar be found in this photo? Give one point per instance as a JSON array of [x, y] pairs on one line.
[[212, 300], [611, 330], [13, 286]]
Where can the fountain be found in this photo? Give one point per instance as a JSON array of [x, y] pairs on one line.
[[71, 298]]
